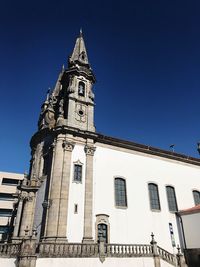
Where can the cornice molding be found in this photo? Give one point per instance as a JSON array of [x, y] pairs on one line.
[[108, 140]]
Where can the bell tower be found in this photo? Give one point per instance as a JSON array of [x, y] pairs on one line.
[[72, 101], [65, 126], [79, 83]]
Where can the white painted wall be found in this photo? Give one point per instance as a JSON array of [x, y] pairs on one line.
[[95, 262], [164, 264], [76, 196], [191, 225], [135, 224], [6, 262]]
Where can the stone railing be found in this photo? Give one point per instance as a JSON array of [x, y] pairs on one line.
[[10, 250], [28, 247], [93, 250], [117, 250], [68, 250], [166, 256]]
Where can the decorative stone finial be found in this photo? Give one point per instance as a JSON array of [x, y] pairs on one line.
[[26, 231], [152, 238], [179, 250]]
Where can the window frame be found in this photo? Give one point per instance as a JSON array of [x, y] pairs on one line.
[[78, 163], [6, 196], [174, 195], [84, 88], [126, 198], [196, 191], [158, 197], [9, 181], [8, 214]]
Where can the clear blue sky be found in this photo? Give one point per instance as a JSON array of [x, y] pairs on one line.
[[145, 54]]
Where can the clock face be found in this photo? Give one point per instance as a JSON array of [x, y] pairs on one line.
[[81, 112]]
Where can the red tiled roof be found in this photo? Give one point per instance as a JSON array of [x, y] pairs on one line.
[[194, 209]]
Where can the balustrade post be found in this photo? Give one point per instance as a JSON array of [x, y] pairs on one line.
[[155, 251], [27, 257], [180, 258], [102, 254]]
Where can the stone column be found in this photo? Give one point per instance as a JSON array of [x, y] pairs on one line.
[[64, 194], [88, 208], [18, 217], [28, 213]]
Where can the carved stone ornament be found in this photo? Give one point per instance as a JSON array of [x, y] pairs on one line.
[[70, 88], [49, 119], [67, 146], [61, 110], [53, 145], [81, 113], [89, 150], [23, 195], [91, 95]]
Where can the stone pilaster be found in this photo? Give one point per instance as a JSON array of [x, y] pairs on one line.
[[88, 207], [54, 196], [18, 217], [28, 212], [64, 194], [59, 191]]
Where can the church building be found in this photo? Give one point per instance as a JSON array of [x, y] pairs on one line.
[[95, 200]]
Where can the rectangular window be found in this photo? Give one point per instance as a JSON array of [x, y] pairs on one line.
[[6, 212], [78, 173], [120, 192], [154, 196], [75, 208], [6, 197], [4, 229], [10, 181], [196, 195]]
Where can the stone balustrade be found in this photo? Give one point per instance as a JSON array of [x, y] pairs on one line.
[[86, 250], [10, 250], [166, 256], [122, 250], [68, 250]]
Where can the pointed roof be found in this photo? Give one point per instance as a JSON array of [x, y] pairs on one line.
[[79, 54]]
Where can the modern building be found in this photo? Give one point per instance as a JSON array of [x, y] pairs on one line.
[[90, 198], [8, 188]]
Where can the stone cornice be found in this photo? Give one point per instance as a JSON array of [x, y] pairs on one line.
[[108, 140], [85, 72]]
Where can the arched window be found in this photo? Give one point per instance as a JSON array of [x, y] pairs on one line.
[[120, 192], [171, 197], [154, 196], [196, 195], [81, 89]]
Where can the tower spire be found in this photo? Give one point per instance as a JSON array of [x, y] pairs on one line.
[[81, 32], [79, 54]]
